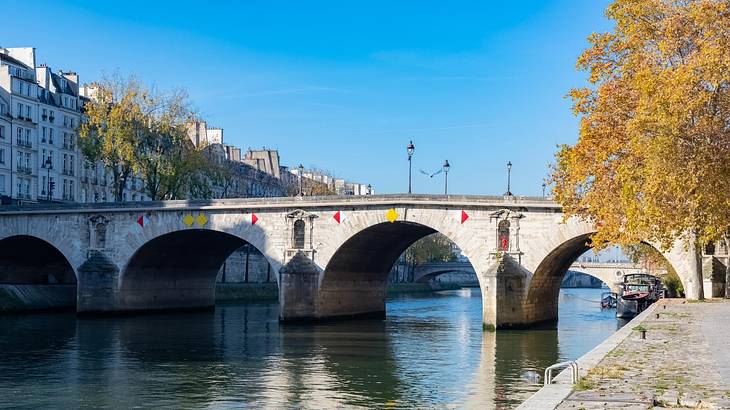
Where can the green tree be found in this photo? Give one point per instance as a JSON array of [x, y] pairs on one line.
[[652, 161], [113, 126], [134, 130]]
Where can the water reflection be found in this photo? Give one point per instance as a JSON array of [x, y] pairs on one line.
[[429, 352]]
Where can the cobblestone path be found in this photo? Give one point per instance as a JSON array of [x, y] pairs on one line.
[[684, 362]]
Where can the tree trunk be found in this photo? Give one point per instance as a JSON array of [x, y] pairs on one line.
[[727, 268], [699, 293]]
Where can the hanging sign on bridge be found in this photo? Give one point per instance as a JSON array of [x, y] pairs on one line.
[[464, 216], [142, 220], [391, 215], [251, 218], [339, 216]]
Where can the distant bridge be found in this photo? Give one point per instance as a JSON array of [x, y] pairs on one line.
[[610, 273]]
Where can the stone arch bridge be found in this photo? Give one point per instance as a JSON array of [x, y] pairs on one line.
[[332, 254]]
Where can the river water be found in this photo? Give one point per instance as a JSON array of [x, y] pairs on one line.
[[430, 352]]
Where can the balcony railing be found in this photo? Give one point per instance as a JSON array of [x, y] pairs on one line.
[[69, 172], [23, 195], [23, 169], [24, 143]]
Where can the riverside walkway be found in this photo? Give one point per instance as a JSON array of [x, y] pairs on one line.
[[684, 362]]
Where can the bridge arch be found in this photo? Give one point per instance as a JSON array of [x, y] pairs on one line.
[[571, 240], [26, 259], [354, 279], [178, 269], [35, 275]]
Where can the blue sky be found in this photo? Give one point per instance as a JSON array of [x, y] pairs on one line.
[[343, 86]]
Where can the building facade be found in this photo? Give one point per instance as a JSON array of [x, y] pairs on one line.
[[40, 158]]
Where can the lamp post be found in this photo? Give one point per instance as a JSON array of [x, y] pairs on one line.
[[446, 168], [301, 176], [543, 189], [370, 189], [410, 148], [509, 174], [49, 165]]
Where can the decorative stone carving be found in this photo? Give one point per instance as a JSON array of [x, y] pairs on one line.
[[300, 231], [507, 232], [97, 232]]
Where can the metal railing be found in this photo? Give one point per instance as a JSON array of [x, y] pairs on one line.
[[549, 371]]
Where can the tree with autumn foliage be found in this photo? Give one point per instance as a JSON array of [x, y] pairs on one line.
[[652, 162], [137, 131]]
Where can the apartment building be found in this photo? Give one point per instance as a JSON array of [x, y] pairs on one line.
[[40, 111]]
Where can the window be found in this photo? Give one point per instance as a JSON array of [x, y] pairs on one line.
[[50, 135], [71, 190], [27, 136], [43, 185], [503, 235], [27, 111], [20, 110], [2, 183], [43, 137], [71, 168], [298, 239], [72, 122], [27, 161], [45, 113], [20, 134], [2, 156], [2, 132]]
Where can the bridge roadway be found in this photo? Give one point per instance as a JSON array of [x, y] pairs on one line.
[[610, 273], [332, 254]]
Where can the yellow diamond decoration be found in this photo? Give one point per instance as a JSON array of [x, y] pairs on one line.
[[391, 215], [188, 220], [201, 220]]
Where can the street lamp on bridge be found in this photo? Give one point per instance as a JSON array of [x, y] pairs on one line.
[[509, 174], [543, 189], [446, 168], [301, 176], [410, 148]]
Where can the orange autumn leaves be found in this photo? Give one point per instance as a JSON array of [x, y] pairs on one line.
[[652, 161]]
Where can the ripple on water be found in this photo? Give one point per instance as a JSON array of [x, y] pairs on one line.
[[429, 352]]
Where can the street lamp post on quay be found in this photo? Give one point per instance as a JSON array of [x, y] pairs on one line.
[[509, 175], [446, 168], [543, 189], [410, 148], [49, 165], [301, 176]]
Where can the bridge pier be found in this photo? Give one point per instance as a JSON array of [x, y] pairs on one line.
[[97, 286], [298, 286]]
